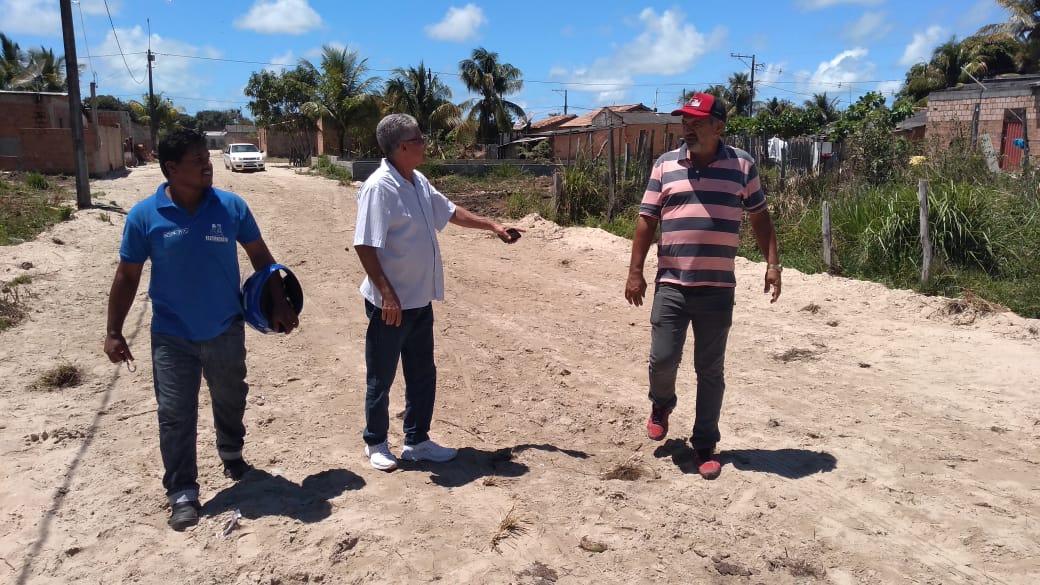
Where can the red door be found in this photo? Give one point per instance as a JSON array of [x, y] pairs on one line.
[[1011, 155]]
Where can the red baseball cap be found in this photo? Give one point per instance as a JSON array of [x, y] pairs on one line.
[[702, 105]]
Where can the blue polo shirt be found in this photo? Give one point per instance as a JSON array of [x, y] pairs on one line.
[[195, 279]]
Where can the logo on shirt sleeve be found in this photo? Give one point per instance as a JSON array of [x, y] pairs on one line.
[[216, 234]]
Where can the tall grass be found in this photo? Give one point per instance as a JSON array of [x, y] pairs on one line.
[[29, 204], [983, 227]]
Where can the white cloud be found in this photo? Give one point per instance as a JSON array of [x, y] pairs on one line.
[[282, 62], [98, 6], [981, 13], [32, 17], [458, 25], [651, 52], [838, 75], [920, 49], [889, 88], [292, 17], [869, 27], [173, 76], [820, 4]]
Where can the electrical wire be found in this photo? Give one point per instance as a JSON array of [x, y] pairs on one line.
[[116, 36], [86, 43]]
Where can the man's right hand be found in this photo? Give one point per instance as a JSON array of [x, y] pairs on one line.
[[117, 349], [391, 308], [635, 288]]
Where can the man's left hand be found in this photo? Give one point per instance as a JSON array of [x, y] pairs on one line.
[[773, 280]]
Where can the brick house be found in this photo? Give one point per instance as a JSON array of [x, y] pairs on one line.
[[1002, 118], [36, 135], [634, 126]]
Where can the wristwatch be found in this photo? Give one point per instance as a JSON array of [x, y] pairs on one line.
[[776, 267]]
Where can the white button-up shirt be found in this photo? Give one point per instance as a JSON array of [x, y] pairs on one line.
[[401, 218]]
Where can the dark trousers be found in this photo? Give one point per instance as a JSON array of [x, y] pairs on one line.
[[411, 343], [178, 366], [709, 310]]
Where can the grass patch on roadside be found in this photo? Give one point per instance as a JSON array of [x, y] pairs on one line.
[[29, 204], [12, 302], [326, 168]]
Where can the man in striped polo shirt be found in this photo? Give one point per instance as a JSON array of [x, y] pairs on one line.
[[698, 194]]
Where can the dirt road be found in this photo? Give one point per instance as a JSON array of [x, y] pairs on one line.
[[867, 436]]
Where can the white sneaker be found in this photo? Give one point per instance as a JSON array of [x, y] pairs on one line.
[[428, 451], [380, 457]]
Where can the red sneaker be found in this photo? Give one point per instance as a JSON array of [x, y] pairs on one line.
[[657, 426], [707, 466]]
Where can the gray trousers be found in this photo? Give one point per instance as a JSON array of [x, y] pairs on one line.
[[709, 310], [178, 367]]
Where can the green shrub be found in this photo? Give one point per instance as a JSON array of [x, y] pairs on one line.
[[328, 169], [36, 181]]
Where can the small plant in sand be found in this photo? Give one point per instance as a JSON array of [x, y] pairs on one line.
[[510, 526], [12, 305], [63, 375]]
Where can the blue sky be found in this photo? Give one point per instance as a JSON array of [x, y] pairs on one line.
[[595, 53]]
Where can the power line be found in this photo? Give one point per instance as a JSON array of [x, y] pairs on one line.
[[120, 46], [86, 43]]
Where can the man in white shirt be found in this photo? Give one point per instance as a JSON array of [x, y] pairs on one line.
[[399, 215]]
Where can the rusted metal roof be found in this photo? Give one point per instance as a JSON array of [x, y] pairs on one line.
[[586, 119]]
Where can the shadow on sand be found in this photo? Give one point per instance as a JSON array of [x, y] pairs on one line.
[[789, 463], [473, 464], [261, 494]]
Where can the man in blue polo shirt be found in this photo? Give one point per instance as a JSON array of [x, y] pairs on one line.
[[399, 215], [189, 230]]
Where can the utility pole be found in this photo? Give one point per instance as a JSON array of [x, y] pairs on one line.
[[79, 155], [154, 122], [751, 83], [564, 92]]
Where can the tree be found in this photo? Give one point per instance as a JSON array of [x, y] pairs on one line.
[[344, 93], [823, 108], [12, 61], [32, 70], [417, 91], [218, 119], [108, 102], [1023, 25], [491, 81], [277, 104], [167, 114], [738, 93]]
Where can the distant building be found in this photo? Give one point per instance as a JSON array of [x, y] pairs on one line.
[[36, 135], [1000, 116]]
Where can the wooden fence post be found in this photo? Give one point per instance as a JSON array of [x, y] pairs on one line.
[[612, 176], [926, 237], [827, 260], [557, 201]]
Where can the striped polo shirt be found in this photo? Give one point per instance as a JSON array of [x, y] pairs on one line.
[[700, 214]]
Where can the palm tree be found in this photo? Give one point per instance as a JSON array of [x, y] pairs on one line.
[[492, 81], [1023, 24], [776, 106], [344, 91], [417, 91], [166, 114], [43, 72], [12, 61], [824, 108], [739, 93]]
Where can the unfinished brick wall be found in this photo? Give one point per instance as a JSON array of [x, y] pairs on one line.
[[951, 118]]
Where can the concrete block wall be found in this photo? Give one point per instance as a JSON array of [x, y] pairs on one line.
[[950, 118]]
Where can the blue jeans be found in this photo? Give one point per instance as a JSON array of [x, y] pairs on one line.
[[411, 343], [178, 366], [709, 310]]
